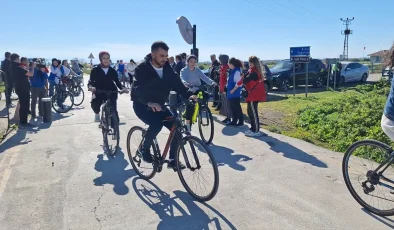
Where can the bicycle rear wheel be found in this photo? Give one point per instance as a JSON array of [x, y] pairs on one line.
[[194, 164], [79, 95], [368, 188], [205, 125], [134, 140], [59, 101], [111, 134]]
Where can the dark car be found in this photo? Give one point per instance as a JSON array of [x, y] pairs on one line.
[[282, 74], [268, 84]]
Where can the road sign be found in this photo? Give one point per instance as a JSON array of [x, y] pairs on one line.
[[91, 56], [299, 59], [300, 51]]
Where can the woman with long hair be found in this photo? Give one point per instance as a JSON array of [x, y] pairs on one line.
[[224, 105], [254, 87], [387, 121]]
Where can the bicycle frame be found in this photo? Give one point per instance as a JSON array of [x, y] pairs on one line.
[[174, 132], [387, 162]]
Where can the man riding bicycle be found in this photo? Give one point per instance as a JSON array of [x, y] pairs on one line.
[[154, 78], [104, 77], [191, 77]]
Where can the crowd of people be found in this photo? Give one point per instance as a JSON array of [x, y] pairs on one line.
[[32, 80]]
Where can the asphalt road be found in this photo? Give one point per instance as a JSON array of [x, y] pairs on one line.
[[56, 177]]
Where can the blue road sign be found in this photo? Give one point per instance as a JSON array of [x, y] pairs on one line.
[[300, 51]]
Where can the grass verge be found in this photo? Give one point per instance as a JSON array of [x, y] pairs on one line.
[[330, 119]]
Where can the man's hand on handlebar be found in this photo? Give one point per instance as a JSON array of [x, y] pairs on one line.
[[93, 89], [155, 107], [193, 97]]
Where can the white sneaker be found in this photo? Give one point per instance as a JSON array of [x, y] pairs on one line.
[[97, 118], [248, 132]]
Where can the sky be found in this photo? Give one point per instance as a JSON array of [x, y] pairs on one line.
[[238, 28]]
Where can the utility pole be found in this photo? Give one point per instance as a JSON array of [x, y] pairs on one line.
[[346, 32]]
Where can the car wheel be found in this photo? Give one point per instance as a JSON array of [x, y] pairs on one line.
[[318, 83], [342, 81], [284, 85], [266, 87], [364, 78]]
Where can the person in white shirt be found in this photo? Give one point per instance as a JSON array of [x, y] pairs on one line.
[[130, 70]]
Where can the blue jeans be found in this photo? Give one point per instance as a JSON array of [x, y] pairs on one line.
[[52, 85]]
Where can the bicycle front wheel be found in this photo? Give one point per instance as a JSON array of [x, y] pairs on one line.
[[134, 140], [196, 162], [205, 125], [373, 191], [111, 134]]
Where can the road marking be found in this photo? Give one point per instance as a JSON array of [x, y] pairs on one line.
[[11, 154]]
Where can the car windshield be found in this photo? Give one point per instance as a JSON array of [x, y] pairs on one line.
[[283, 65]]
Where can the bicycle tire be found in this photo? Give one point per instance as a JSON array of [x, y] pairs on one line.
[[189, 139], [66, 110], [81, 92], [210, 117], [348, 183], [115, 127], [132, 162]]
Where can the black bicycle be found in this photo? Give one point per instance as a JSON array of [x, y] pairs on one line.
[[109, 123], [61, 95], [74, 86], [368, 180], [193, 162]]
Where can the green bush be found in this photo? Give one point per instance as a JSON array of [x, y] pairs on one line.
[[352, 117]]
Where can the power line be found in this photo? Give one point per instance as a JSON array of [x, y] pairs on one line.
[[284, 6], [305, 9], [266, 9]]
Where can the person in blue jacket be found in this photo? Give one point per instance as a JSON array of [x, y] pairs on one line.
[[39, 88], [234, 92]]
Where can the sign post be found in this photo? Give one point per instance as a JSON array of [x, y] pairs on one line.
[[300, 55]]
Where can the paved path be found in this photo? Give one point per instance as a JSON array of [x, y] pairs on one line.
[[57, 178]]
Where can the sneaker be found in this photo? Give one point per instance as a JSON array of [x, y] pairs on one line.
[[256, 134], [172, 164], [226, 120], [240, 124], [232, 123], [248, 132], [146, 156], [97, 117]]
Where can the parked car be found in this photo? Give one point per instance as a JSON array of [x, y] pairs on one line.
[[353, 72], [282, 74], [268, 76]]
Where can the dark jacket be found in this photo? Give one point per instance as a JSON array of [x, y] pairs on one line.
[[102, 81], [214, 71], [18, 73], [6, 68], [178, 67], [149, 87]]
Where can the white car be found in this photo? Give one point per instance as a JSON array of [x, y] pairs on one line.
[[354, 72]]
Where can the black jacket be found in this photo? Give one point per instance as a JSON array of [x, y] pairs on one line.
[[214, 75], [102, 81], [6, 68], [149, 87]]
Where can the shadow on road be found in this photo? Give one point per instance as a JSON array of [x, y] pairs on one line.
[[17, 138], [291, 152], [276, 145], [113, 171], [225, 156], [171, 212], [384, 220]]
